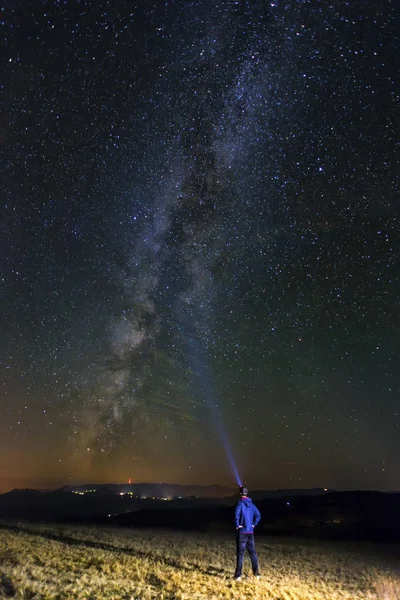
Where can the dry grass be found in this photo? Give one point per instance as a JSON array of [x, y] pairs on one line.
[[59, 563]]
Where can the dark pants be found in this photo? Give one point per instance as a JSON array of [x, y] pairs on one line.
[[243, 541]]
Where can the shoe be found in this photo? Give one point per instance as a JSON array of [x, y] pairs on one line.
[[257, 577], [237, 578]]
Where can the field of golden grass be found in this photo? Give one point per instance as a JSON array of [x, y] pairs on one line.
[[99, 563]]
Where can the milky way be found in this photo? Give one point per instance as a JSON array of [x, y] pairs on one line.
[[200, 243]]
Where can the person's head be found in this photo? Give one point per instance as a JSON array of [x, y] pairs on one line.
[[243, 491]]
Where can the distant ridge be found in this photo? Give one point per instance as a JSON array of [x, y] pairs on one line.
[[156, 490], [25, 492], [316, 512], [170, 490]]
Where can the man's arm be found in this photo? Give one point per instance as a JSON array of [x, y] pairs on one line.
[[256, 516], [237, 515]]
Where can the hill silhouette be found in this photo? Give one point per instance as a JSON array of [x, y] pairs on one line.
[[354, 515]]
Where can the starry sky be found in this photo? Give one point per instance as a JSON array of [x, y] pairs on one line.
[[199, 249]]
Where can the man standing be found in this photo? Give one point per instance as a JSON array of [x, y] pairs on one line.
[[247, 517]]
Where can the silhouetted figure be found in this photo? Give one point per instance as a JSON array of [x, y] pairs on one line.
[[247, 517]]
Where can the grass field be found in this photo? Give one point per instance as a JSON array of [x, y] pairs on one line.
[[55, 562]]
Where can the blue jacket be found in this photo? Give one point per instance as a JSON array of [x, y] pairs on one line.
[[247, 515]]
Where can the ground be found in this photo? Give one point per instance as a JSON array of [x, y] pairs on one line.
[[45, 562]]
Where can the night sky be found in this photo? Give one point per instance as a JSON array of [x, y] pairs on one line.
[[200, 243]]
